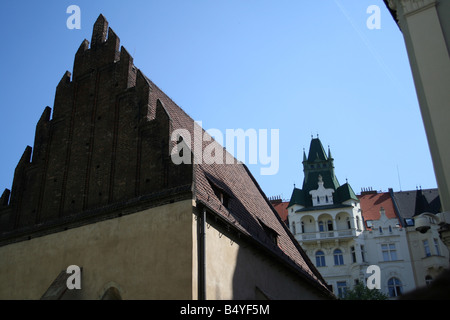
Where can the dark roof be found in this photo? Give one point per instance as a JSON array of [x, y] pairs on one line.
[[392, 11], [319, 164], [329, 180], [345, 192], [297, 197], [330, 206], [249, 210], [316, 151], [415, 202]]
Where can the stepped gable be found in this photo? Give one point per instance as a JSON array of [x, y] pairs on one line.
[[109, 141], [105, 147]]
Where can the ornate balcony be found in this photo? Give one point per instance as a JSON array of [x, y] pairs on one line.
[[326, 235]]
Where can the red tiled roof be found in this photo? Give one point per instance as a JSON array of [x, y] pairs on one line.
[[282, 210], [371, 204]]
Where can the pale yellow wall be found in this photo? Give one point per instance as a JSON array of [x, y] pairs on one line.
[[146, 254], [235, 269]]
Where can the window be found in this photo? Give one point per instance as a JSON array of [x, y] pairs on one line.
[[326, 199], [426, 248], [390, 229], [223, 197], [389, 252], [272, 234], [349, 225], [330, 225], [318, 199], [436, 246], [409, 222], [342, 288], [320, 259], [358, 223], [321, 226], [428, 280], [395, 287], [380, 229], [338, 257], [112, 294], [362, 254], [303, 227], [353, 254]]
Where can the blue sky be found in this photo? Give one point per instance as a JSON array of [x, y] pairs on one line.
[[303, 67]]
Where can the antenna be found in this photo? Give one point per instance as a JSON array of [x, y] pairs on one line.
[[399, 182]]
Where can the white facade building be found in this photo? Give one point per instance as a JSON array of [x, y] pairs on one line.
[[344, 234]]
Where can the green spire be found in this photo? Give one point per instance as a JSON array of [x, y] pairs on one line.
[[316, 151], [320, 166]]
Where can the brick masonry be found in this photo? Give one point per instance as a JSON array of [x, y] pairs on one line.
[[108, 141]]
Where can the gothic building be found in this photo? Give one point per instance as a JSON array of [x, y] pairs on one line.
[[100, 191]]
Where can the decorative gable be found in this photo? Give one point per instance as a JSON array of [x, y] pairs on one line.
[[321, 196]]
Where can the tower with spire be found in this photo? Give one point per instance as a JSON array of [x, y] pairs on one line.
[[325, 218], [320, 184]]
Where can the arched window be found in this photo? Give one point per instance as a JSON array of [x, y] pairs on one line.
[[321, 226], [395, 287], [111, 294], [320, 259], [330, 225], [338, 257]]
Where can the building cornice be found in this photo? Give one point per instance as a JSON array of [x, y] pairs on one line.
[[410, 7]]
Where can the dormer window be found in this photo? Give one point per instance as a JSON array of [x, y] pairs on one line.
[[272, 234], [221, 194]]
